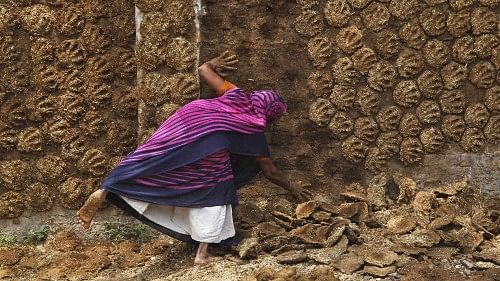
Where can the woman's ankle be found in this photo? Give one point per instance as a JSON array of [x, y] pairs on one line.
[[202, 251]]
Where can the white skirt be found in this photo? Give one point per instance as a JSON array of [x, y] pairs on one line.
[[207, 224]]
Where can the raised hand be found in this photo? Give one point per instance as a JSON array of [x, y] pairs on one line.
[[223, 63]]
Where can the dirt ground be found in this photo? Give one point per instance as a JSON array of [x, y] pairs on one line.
[[375, 247]]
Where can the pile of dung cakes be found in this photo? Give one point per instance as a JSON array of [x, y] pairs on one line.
[[376, 230]]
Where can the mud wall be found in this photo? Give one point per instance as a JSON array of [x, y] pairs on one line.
[[68, 110], [167, 56], [372, 86]]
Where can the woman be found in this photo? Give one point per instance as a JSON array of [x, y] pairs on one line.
[[183, 179]]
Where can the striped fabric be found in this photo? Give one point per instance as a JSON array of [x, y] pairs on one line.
[[206, 172], [234, 111], [186, 162]]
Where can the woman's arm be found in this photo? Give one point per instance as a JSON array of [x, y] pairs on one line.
[[212, 70], [272, 174]]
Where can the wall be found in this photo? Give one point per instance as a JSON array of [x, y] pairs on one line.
[[68, 110], [167, 57], [372, 86]]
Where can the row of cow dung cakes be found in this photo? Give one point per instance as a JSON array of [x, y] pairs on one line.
[[167, 54], [68, 107], [407, 77]]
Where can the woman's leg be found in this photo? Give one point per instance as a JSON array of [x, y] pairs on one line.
[[201, 253], [202, 256], [209, 225], [89, 209]]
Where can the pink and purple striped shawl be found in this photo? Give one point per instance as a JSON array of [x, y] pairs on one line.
[[235, 111]]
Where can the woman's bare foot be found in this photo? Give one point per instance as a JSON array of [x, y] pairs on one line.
[[202, 256], [89, 209], [206, 260]]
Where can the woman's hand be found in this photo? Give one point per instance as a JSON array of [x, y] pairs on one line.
[[300, 193], [215, 69], [223, 63], [271, 173]]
